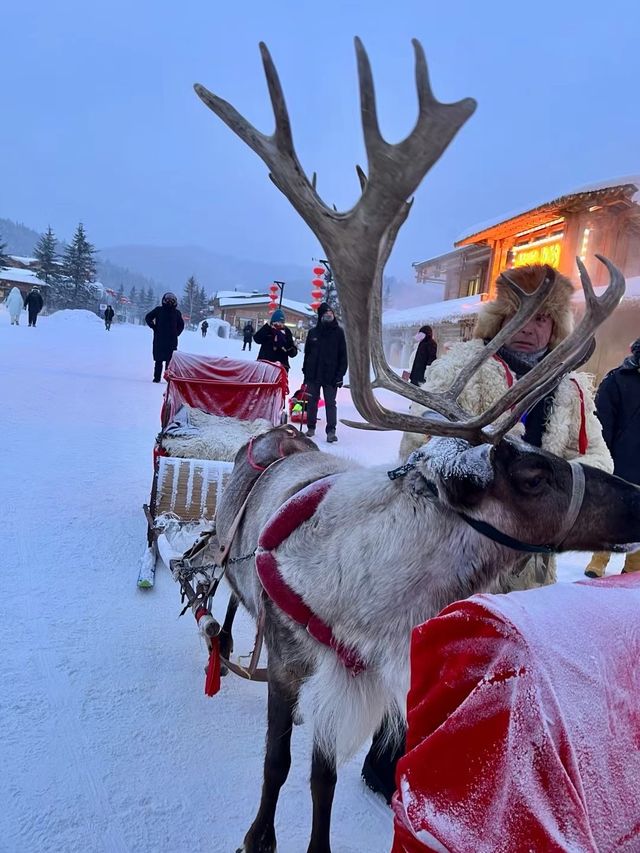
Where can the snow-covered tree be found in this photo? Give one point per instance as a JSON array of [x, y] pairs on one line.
[[46, 253], [190, 300], [79, 267], [3, 253]]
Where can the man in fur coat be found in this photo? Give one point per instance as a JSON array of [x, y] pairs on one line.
[[563, 422]]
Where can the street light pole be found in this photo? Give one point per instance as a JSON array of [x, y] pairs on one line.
[[281, 285]]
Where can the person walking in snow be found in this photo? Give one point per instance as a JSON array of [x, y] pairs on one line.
[[618, 410], [324, 367], [276, 340], [425, 355], [247, 335], [167, 324], [15, 304], [34, 304], [203, 328], [108, 317]]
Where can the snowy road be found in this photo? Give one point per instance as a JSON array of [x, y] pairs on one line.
[[108, 743]]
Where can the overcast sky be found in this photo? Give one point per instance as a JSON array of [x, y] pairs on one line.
[[99, 122]]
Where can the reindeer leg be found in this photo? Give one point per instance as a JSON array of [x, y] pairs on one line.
[[226, 638], [261, 837], [323, 785]]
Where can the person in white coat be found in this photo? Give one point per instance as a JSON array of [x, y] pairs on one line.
[[15, 304]]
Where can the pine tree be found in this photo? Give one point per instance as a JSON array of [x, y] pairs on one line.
[[3, 254], [47, 256], [133, 298], [203, 305], [80, 269], [190, 300], [331, 293]]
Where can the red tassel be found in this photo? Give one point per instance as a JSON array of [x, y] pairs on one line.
[[212, 681], [583, 438]]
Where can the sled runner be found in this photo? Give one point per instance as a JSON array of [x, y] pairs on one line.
[[211, 407]]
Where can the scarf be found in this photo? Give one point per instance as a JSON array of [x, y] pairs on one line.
[[536, 418]]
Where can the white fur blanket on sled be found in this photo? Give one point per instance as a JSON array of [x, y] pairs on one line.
[[193, 434]]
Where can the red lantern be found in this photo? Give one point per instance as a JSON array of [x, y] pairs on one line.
[[318, 271], [273, 306], [315, 305], [317, 294], [317, 282]]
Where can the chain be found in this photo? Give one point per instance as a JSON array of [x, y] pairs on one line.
[[244, 557]]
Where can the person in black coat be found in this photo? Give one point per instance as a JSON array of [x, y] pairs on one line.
[[276, 341], [108, 317], [618, 410], [34, 304], [247, 335], [167, 324], [425, 355], [203, 328], [324, 367]]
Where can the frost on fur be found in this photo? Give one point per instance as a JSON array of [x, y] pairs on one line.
[[455, 458]]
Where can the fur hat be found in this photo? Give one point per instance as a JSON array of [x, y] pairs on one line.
[[277, 316], [558, 304], [635, 347]]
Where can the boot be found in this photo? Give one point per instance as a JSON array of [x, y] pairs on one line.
[[310, 433], [631, 563], [331, 436], [598, 565]]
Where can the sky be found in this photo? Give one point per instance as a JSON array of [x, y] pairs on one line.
[[99, 121]]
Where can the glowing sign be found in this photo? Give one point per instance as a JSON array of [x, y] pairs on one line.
[[541, 253]]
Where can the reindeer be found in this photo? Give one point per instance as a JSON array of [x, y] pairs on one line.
[[349, 559]]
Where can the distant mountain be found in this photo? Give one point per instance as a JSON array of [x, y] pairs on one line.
[[22, 240], [172, 265]]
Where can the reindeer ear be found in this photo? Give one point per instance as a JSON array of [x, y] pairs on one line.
[[462, 472]]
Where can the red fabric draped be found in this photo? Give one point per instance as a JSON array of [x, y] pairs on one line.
[[225, 386], [524, 724]]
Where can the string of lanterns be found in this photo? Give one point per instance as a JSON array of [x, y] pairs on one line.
[[318, 287], [274, 292]]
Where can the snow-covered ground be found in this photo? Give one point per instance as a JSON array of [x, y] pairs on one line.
[[108, 743]]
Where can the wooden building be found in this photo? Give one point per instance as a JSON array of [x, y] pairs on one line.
[[21, 273], [602, 218], [238, 308]]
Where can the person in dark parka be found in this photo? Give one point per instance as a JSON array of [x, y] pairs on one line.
[[247, 335], [167, 324], [425, 355], [276, 340], [618, 409], [324, 367], [203, 328], [108, 317], [34, 304]]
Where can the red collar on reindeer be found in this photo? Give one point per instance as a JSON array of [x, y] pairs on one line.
[[294, 512]]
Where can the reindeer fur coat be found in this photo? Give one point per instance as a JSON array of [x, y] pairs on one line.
[[561, 434]]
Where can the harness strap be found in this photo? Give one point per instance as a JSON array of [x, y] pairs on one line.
[[575, 505], [299, 508]]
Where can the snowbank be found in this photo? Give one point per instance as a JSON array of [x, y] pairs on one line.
[[218, 327], [75, 316]]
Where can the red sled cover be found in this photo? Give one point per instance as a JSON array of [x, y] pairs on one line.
[[225, 386], [524, 724]]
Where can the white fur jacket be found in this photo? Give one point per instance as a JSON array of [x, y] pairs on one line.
[[563, 427]]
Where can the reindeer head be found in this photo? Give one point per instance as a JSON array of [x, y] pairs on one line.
[[530, 496]]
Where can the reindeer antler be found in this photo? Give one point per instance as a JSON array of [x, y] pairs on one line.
[[358, 243]]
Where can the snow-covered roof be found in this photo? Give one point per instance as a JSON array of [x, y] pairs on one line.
[[21, 276], [599, 186], [23, 260], [237, 298], [449, 311], [454, 310]]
